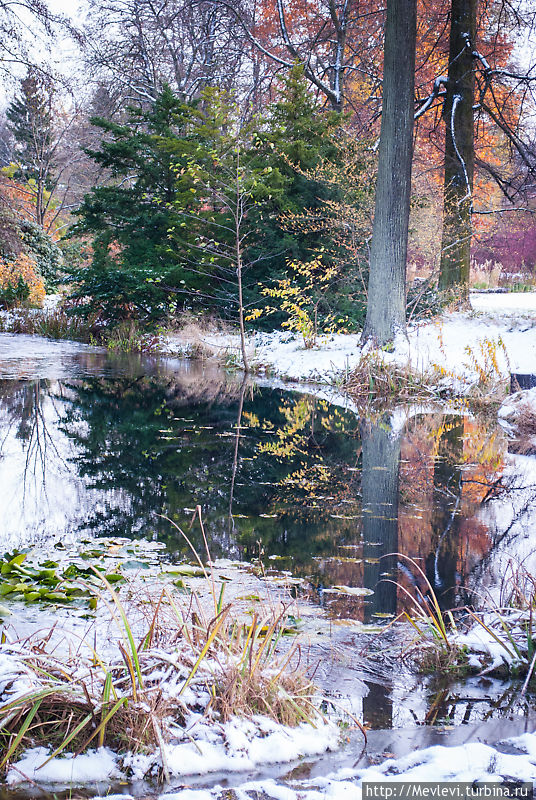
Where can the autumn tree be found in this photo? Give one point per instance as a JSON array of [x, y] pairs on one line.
[[335, 41], [13, 26], [138, 46], [482, 100], [31, 120]]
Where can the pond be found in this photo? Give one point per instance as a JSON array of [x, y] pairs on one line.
[[105, 445]]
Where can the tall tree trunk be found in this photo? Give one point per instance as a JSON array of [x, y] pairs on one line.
[[386, 308], [459, 148]]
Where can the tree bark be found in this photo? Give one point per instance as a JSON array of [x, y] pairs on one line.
[[459, 149], [386, 307]]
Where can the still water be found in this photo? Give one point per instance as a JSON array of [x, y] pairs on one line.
[[111, 445]]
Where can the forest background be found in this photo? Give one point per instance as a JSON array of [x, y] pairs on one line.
[[221, 156]]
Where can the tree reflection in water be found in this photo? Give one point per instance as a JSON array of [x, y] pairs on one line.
[[288, 474]]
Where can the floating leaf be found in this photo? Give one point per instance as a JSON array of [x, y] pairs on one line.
[[355, 591]]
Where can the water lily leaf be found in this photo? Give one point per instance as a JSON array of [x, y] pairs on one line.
[[59, 597], [115, 577], [135, 564], [46, 574], [356, 591], [186, 570]]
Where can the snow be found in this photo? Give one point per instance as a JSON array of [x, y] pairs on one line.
[[241, 745], [245, 745], [95, 765], [504, 301], [515, 403], [452, 346], [479, 640], [16, 679], [469, 762], [510, 518]]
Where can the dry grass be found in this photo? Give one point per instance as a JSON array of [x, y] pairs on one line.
[[524, 441], [55, 324], [136, 699], [205, 337], [485, 275], [374, 381]]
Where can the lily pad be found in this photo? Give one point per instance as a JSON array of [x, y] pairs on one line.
[[354, 591]]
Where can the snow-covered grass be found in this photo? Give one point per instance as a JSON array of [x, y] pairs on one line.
[[192, 739], [203, 689], [240, 745], [453, 351]]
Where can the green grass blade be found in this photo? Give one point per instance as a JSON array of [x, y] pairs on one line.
[[20, 735]]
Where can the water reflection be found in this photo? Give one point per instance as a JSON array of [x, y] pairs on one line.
[[286, 477]]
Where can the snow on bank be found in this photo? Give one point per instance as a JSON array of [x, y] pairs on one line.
[[469, 762], [240, 745], [457, 343], [510, 759], [200, 744], [504, 302], [514, 406], [91, 767]]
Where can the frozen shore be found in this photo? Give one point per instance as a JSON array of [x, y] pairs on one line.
[[498, 333]]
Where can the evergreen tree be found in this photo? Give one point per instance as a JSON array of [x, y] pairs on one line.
[[30, 118], [134, 272], [298, 137]]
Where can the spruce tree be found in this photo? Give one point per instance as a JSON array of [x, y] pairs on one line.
[[295, 139], [30, 118], [134, 271]]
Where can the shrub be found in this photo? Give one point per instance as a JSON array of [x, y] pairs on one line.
[[44, 251], [20, 282]]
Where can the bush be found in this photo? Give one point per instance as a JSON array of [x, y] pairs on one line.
[[20, 282], [44, 251]]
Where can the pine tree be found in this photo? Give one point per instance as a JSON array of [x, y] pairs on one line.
[[30, 117], [134, 271], [298, 137]]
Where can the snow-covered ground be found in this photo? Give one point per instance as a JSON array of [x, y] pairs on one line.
[[510, 759], [501, 328]]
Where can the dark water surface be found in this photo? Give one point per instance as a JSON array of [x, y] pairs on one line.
[[100, 444]]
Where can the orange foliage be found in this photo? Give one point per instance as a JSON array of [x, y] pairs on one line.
[[20, 198], [23, 267]]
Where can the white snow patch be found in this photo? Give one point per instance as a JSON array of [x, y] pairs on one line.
[[242, 745], [467, 763], [93, 766], [452, 343], [515, 403], [504, 302], [16, 679]]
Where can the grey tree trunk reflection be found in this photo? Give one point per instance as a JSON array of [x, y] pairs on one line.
[[442, 563], [379, 487]]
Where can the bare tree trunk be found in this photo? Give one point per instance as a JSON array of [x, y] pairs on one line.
[[239, 213], [459, 148], [386, 307]]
